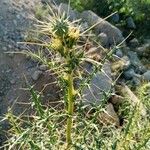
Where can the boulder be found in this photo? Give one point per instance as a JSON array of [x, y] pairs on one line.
[[99, 86], [114, 34], [64, 8]]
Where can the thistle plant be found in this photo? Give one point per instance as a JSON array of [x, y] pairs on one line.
[[67, 57], [64, 37]]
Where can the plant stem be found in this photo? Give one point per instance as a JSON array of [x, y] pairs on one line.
[[69, 109]]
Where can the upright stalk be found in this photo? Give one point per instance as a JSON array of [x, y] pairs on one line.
[[70, 108]]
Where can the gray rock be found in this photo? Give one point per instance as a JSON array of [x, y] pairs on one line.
[[133, 99], [146, 75], [126, 61], [140, 50], [84, 26], [73, 14], [119, 53], [114, 34], [120, 65], [134, 43], [129, 74], [136, 81], [143, 50], [35, 76], [103, 39], [139, 68], [100, 84], [43, 67], [130, 23], [125, 50], [115, 18]]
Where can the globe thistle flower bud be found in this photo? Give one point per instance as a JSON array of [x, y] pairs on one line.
[[74, 33], [56, 44]]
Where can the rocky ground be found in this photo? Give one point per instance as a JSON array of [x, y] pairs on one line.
[[15, 69]]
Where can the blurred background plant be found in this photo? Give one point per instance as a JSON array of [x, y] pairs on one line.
[[138, 9]]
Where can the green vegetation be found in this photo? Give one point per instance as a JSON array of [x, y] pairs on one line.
[[144, 94], [46, 129], [135, 8], [138, 9]]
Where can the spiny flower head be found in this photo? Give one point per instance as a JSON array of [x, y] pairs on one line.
[[56, 44], [74, 33]]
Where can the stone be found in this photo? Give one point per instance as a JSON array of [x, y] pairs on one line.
[[140, 51], [43, 67], [114, 34], [103, 39], [133, 99], [143, 50], [136, 81], [84, 26], [134, 43], [64, 8], [146, 75], [126, 49], [109, 116], [121, 64], [130, 73], [130, 23], [115, 18], [119, 53], [35, 76], [116, 99], [92, 52], [99, 86], [136, 63]]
